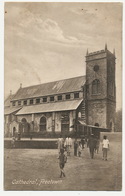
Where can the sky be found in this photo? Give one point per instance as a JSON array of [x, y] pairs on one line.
[[46, 42]]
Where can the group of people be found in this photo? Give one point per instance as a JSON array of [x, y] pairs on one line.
[[65, 144], [13, 140], [93, 143], [78, 147]]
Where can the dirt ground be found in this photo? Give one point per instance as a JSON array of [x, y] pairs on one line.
[[38, 169]]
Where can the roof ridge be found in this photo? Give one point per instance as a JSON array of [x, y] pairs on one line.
[[52, 81]]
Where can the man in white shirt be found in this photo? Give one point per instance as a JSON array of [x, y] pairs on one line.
[[105, 147], [68, 144]]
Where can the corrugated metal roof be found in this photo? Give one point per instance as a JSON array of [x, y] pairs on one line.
[[10, 110], [51, 88], [50, 107]]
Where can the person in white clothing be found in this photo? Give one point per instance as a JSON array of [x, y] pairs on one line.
[[68, 145], [105, 147]]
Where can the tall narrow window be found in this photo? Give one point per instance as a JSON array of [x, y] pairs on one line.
[[96, 87], [59, 97], [25, 102], [31, 101], [14, 103], [24, 128], [52, 98], [76, 95], [38, 100], [19, 102], [44, 99], [68, 96], [43, 124]]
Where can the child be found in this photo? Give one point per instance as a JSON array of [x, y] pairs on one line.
[[83, 142], [59, 143], [80, 149], [105, 147], [62, 161], [65, 154]]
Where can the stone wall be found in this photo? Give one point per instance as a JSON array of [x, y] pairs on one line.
[[101, 75], [97, 113], [28, 117], [56, 116], [101, 106], [10, 121], [111, 115]]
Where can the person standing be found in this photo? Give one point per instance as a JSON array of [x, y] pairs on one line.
[[69, 145], [97, 145], [60, 143], [66, 144], [75, 147], [79, 149], [62, 161], [105, 147], [83, 142], [92, 145]]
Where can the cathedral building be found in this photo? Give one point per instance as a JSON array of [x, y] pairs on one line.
[[59, 106]]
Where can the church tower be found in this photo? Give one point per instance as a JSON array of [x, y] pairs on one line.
[[100, 88]]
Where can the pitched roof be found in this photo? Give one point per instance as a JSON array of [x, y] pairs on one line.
[[51, 88], [10, 110], [50, 107], [7, 100]]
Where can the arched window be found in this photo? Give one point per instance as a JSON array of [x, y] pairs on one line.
[[42, 123], [24, 128], [24, 120], [96, 87]]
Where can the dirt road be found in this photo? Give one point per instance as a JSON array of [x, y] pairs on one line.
[[38, 169]]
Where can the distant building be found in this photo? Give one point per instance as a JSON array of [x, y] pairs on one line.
[[56, 107]]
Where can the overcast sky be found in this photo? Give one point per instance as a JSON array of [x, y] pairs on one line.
[[48, 41]]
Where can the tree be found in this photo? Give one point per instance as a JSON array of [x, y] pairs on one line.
[[118, 121]]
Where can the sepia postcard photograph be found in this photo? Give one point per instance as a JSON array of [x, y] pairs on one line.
[[63, 96]]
